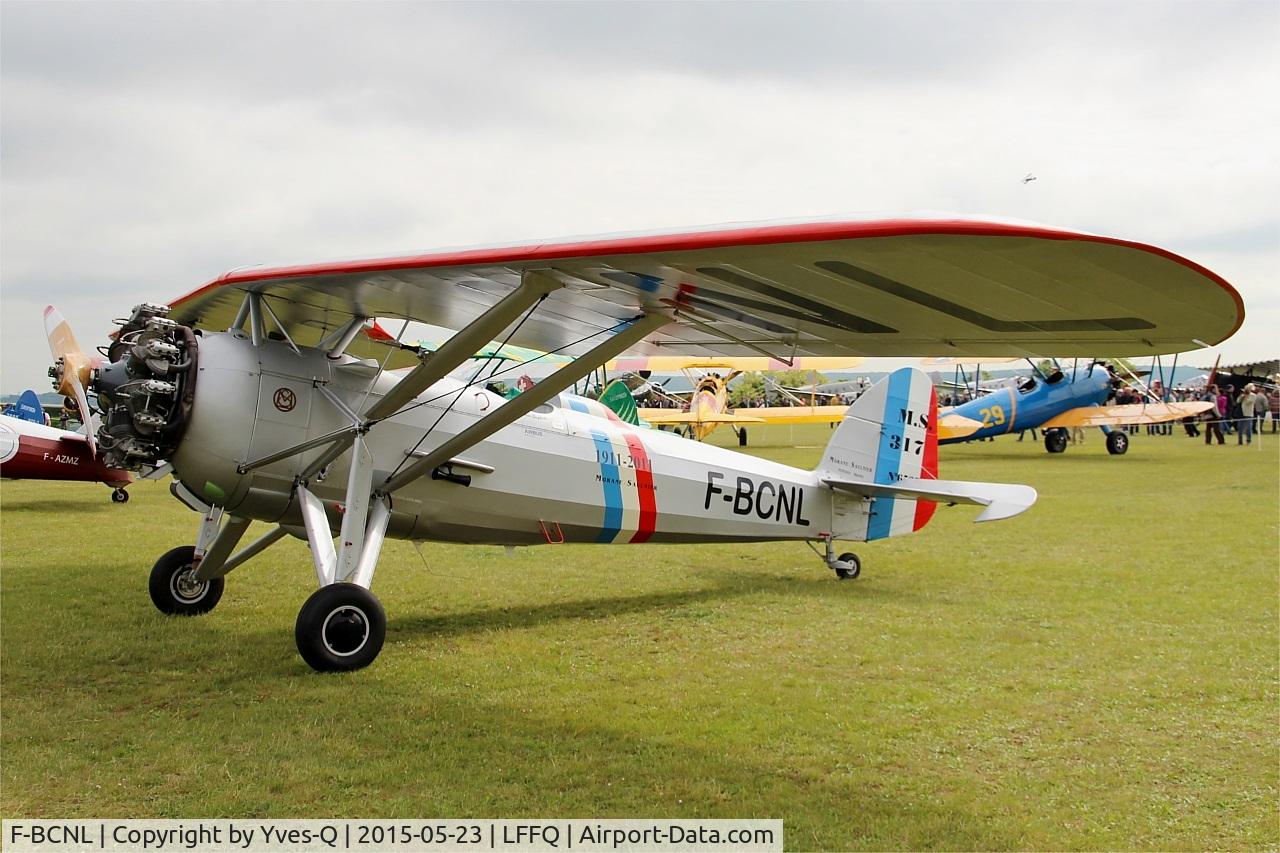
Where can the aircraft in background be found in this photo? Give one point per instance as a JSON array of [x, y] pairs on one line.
[[33, 451], [1057, 401], [708, 406], [246, 389]]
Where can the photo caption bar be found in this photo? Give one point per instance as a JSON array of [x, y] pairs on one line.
[[399, 836]]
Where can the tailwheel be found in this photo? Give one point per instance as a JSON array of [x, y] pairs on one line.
[[848, 566], [176, 590], [119, 496], [340, 628], [1117, 442], [1055, 440]]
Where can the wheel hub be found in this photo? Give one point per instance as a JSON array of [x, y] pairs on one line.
[[187, 587], [345, 631]]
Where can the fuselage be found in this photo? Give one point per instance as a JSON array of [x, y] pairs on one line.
[[556, 474], [1034, 402]]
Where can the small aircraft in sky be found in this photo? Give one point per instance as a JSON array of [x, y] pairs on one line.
[[1058, 400], [267, 402]]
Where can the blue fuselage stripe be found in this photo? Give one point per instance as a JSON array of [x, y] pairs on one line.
[[610, 479], [889, 458]]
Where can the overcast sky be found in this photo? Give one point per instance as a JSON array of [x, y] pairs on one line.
[[147, 147]]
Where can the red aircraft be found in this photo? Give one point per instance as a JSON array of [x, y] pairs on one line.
[[31, 451]]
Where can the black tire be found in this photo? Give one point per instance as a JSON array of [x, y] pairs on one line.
[[1055, 440], [849, 574], [1117, 443], [175, 590], [742, 437], [340, 628], [120, 496]]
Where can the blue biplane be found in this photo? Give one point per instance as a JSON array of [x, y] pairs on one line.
[[1057, 400]]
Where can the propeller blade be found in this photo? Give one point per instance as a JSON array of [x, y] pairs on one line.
[[71, 370]]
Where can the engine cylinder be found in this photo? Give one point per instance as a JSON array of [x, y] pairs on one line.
[[145, 390]]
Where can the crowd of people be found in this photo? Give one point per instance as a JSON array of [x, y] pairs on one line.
[[1243, 412]]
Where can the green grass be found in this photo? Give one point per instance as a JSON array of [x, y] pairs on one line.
[[1099, 673]]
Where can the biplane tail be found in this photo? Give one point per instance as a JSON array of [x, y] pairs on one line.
[[617, 396], [886, 450]]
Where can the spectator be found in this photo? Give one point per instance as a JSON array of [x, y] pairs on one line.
[[1242, 411], [1275, 408], [1260, 406], [1212, 422], [1223, 403]]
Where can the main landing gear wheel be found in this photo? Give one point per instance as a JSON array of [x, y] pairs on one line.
[[119, 496], [1055, 440], [855, 566], [1117, 443], [742, 437], [340, 628], [176, 590]]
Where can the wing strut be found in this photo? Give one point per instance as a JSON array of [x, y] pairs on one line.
[[467, 342], [528, 401], [534, 285]]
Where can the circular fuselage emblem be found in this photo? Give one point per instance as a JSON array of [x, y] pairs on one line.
[[285, 399]]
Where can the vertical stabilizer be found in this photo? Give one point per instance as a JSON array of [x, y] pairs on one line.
[[617, 396], [889, 436]]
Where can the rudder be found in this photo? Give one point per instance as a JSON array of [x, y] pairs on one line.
[[888, 435]]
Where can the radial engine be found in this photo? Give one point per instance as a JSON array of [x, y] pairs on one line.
[[145, 389]]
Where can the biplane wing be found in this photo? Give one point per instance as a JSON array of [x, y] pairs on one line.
[[949, 425], [899, 287], [937, 362], [671, 417], [676, 363], [1131, 413]]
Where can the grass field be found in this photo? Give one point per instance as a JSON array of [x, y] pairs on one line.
[[1099, 673]]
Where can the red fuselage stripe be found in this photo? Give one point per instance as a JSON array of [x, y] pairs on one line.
[[644, 488]]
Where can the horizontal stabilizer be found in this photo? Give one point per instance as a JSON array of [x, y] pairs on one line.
[[1002, 500]]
